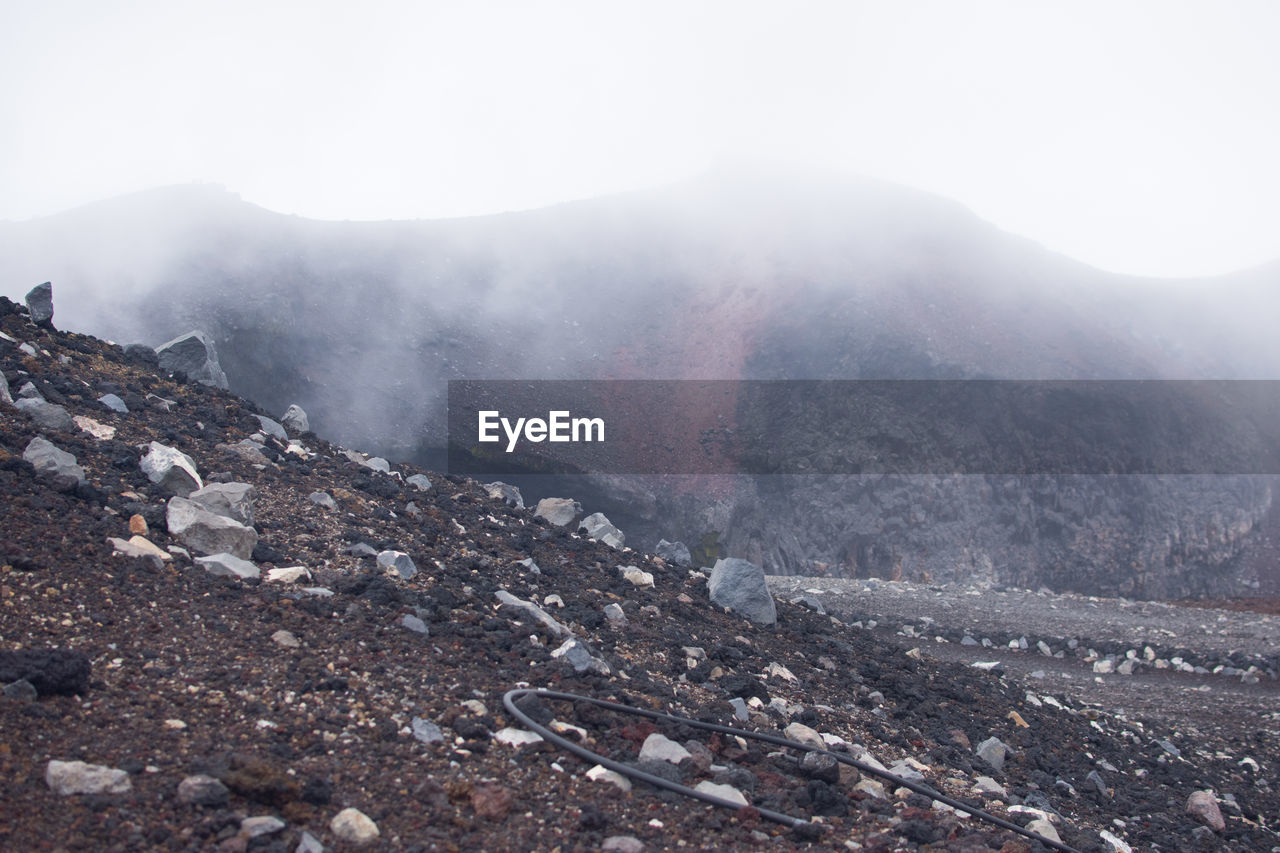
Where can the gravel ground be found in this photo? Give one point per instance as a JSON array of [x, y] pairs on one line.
[[917, 615], [250, 713]]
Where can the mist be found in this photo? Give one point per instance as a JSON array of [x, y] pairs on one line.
[[1138, 139], [759, 273]]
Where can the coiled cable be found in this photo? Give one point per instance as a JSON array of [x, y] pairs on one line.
[[510, 698]]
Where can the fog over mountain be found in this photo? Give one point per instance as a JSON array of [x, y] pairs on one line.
[[734, 275]]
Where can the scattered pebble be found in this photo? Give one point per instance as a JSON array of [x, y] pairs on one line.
[[517, 737], [202, 790], [659, 747], [603, 774], [1203, 806], [77, 777], [353, 826], [286, 639], [724, 792], [253, 827]]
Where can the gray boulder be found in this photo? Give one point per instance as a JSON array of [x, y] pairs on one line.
[[28, 391], [739, 585], [171, 469], [559, 511], [674, 552], [206, 532], [229, 565], [599, 528], [272, 428], [993, 751], [114, 403], [40, 304], [398, 562], [5, 394], [46, 415], [53, 463], [232, 500], [506, 493], [295, 419], [419, 481], [576, 653], [194, 355]]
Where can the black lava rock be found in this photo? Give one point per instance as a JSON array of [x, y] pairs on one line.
[[52, 672]]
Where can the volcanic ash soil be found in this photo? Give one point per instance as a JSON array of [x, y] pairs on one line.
[[357, 704]]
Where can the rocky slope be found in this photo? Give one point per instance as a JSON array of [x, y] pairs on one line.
[[340, 684]]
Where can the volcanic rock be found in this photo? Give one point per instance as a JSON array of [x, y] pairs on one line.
[[47, 415], [141, 354], [993, 751], [506, 493], [171, 469], [194, 355], [426, 731], [51, 462], [353, 826], [724, 792], [53, 672], [600, 773], [40, 304], [599, 528], [230, 500], [1203, 806], [414, 624], [295, 419], [323, 500], [253, 827], [559, 511], [1045, 829], [658, 747], [740, 586], [272, 428], [534, 611], [77, 777], [209, 533], [139, 546], [202, 790], [636, 576], [398, 562], [622, 843], [229, 565], [673, 552], [114, 403], [800, 733], [576, 653]]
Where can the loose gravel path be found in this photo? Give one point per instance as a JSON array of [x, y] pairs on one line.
[[912, 615]]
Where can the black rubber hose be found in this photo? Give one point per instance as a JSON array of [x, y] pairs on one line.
[[509, 701]]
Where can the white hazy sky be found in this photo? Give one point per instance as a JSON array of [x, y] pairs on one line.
[[1137, 136]]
